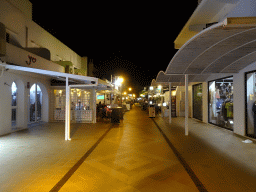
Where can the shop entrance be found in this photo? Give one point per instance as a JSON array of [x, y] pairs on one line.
[[251, 104], [80, 105], [35, 103], [197, 101], [221, 102]]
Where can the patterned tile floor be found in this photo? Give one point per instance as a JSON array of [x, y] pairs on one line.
[[133, 156]]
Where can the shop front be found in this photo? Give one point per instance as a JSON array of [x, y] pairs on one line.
[[221, 102], [250, 84], [197, 101], [80, 104]]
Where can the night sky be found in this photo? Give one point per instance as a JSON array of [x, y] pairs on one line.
[[133, 40]]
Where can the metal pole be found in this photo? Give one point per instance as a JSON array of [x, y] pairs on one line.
[[36, 102], [170, 104], [121, 95], [186, 104], [67, 114], [94, 105]]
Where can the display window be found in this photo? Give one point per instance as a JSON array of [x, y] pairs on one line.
[[250, 85], [221, 102], [197, 101], [35, 103], [80, 105]]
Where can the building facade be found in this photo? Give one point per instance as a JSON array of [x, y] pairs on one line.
[[28, 97], [217, 56]]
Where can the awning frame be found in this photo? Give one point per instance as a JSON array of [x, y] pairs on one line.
[[88, 82]]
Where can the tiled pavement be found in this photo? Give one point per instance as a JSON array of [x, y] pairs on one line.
[[218, 157], [133, 156]]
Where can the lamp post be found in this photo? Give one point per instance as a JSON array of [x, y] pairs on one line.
[[118, 83]]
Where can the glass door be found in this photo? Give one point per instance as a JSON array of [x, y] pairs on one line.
[[197, 102], [251, 104], [221, 102], [35, 104]]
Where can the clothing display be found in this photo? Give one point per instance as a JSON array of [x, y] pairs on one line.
[[229, 107], [250, 115], [221, 102], [254, 116], [217, 94]]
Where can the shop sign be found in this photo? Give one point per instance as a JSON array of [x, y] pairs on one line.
[[31, 59]]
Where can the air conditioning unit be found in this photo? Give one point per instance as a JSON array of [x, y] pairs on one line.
[[2, 40]]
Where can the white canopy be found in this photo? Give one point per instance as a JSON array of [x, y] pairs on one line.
[[225, 47], [70, 80]]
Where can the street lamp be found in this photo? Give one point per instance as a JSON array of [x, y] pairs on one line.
[[118, 83], [130, 89]]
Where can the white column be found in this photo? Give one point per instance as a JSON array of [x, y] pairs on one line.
[[186, 104], [170, 103], [36, 102], [67, 114], [94, 105]]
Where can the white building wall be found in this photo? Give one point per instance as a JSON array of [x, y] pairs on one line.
[[23, 92], [244, 8], [37, 36], [19, 56], [238, 98], [16, 15], [16, 21]]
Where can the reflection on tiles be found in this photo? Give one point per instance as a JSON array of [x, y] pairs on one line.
[[133, 156]]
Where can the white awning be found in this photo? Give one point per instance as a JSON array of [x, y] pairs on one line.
[[71, 81], [178, 80], [75, 79], [225, 47]]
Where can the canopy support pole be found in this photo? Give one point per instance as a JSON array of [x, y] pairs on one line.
[[94, 105], [186, 104], [170, 103], [67, 114]]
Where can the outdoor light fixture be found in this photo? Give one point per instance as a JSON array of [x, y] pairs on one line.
[[173, 93], [119, 81], [151, 88]]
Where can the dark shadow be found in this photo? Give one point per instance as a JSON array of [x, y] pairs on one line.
[[73, 129]]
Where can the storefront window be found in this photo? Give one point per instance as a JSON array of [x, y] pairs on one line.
[[35, 107], [60, 103], [251, 104], [197, 101], [80, 105], [221, 102]]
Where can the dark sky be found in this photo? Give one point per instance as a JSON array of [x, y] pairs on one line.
[[131, 39]]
